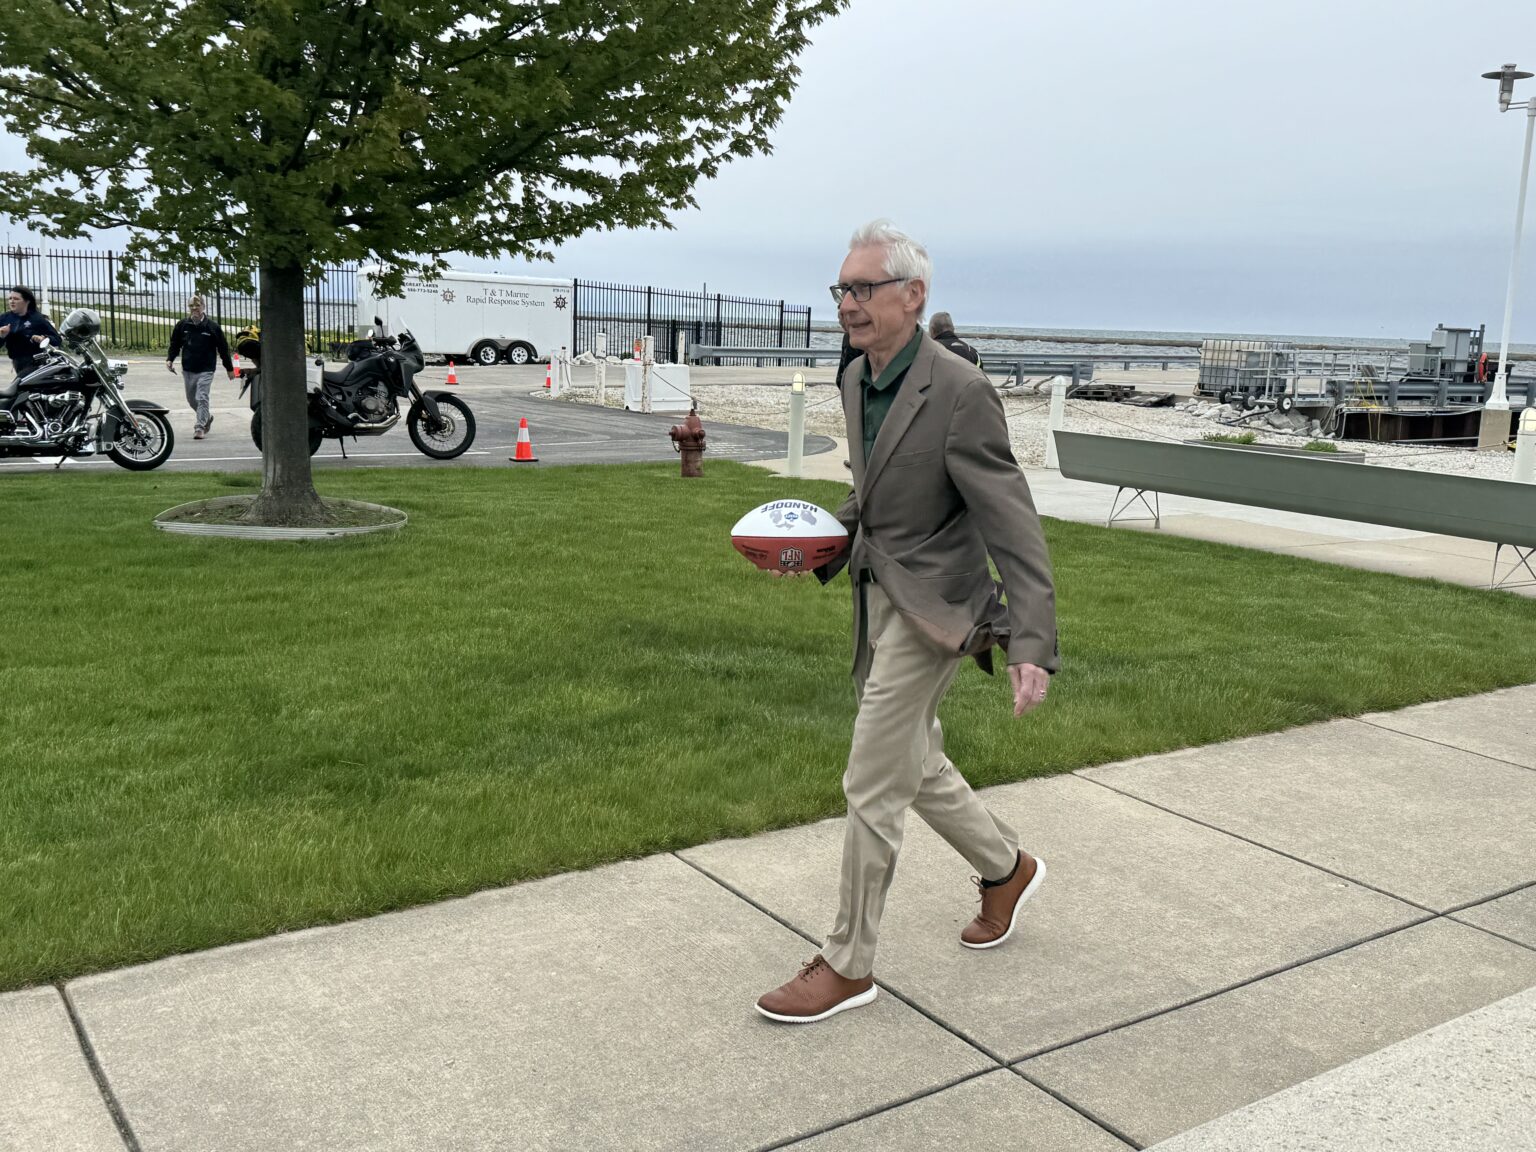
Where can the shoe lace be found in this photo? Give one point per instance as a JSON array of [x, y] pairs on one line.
[[811, 967], [980, 888]]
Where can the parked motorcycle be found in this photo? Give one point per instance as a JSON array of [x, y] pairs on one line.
[[362, 398], [71, 405]]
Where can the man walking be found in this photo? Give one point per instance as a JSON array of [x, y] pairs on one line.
[[936, 491], [942, 329], [201, 343]]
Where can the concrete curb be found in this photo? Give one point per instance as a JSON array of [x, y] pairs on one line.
[[167, 521]]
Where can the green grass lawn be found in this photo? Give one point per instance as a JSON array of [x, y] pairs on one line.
[[210, 740]]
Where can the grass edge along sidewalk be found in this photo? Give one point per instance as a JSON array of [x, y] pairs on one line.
[[208, 741]]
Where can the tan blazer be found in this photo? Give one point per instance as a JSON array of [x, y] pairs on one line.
[[940, 492]]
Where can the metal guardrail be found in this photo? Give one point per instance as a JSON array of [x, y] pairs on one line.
[[1038, 365], [1029, 365], [698, 353]]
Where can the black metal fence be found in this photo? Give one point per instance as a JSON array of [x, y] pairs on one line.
[[627, 313], [140, 307]]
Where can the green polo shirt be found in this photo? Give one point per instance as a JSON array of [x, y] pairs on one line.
[[880, 394]]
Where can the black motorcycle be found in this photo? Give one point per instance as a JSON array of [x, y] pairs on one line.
[[71, 405], [362, 398]]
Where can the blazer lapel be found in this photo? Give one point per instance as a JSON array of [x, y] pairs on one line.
[[913, 395]]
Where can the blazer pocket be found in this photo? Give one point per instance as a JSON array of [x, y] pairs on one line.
[[907, 459], [955, 589]]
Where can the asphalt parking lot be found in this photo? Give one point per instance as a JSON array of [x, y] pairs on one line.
[[562, 432]]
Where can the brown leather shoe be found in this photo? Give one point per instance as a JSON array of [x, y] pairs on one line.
[[816, 993], [1000, 905]]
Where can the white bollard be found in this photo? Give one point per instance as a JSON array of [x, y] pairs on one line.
[[1058, 419], [1525, 448], [682, 348], [602, 368], [647, 359], [796, 424]]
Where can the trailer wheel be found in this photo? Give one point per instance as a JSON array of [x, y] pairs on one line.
[[519, 353], [485, 353], [1285, 403]]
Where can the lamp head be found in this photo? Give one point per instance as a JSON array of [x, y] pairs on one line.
[[1506, 76]]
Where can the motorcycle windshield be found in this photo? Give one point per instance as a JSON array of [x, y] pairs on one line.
[[410, 350]]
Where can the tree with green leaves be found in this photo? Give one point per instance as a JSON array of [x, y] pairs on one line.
[[282, 135]]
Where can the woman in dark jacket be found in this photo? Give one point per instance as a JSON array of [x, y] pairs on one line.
[[25, 330]]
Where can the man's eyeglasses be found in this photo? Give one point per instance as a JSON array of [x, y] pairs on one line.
[[862, 290]]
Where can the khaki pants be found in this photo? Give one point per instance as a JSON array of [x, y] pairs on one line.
[[897, 761]]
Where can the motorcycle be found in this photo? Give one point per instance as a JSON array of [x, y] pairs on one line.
[[362, 398], [70, 404]]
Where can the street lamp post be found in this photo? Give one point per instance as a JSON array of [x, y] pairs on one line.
[[1506, 76]]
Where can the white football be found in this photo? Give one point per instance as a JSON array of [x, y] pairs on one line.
[[789, 536]]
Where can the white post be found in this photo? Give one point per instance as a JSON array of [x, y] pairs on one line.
[[1058, 419], [557, 377], [647, 358], [796, 424], [43, 294], [682, 348], [1525, 448], [1500, 399], [602, 368]]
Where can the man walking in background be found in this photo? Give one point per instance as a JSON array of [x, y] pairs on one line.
[[942, 329], [936, 491], [201, 344]]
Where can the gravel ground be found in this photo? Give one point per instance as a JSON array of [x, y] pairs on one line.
[[765, 405]]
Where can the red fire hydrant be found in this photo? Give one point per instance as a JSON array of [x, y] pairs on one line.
[[688, 439]]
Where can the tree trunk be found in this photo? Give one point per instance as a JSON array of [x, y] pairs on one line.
[[288, 494]]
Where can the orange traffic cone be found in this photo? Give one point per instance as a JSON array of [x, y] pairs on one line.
[[237, 365], [549, 373], [524, 445], [452, 379]]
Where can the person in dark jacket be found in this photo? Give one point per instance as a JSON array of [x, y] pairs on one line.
[[942, 329], [201, 343], [25, 330]]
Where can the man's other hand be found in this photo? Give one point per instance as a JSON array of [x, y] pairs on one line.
[[1029, 687]]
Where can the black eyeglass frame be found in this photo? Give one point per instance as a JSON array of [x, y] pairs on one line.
[[861, 291]]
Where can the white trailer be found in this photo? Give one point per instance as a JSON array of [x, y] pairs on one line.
[[474, 317]]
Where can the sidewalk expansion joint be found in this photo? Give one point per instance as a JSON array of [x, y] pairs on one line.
[[996, 1057], [1261, 845], [791, 1141], [1257, 978], [1085, 1113], [1440, 743], [1000, 1060], [1491, 932], [98, 1074]]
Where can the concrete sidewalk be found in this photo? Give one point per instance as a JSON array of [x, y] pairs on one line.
[[1219, 924], [1349, 542]]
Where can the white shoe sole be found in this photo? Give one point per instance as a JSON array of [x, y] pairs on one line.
[[1029, 890], [857, 1001]]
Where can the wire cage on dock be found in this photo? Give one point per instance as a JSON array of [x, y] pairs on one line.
[[1261, 368]]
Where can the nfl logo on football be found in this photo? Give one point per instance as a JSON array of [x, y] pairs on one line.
[[791, 558]]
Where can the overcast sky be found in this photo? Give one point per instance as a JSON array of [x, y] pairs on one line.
[[1328, 167]]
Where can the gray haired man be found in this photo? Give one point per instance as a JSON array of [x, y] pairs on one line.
[[936, 491], [200, 342]]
